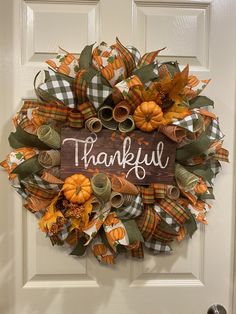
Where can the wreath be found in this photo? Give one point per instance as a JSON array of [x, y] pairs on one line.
[[115, 88]]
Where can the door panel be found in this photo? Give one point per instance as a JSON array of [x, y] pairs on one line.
[[39, 278]]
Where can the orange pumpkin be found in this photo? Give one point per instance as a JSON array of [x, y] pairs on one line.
[[52, 64], [116, 234], [108, 259], [99, 249], [111, 220], [64, 69], [108, 72], [148, 116], [77, 189], [117, 63], [201, 187], [69, 58]]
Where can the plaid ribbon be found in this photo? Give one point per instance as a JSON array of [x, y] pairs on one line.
[[87, 110], [214, 132], [60, 88], [53, 111], [34, 185], [188, 122], [136, 54], [149, 57], [222, 155], [148, 222], [138, 252], [164, 233], [76, 119], [157, 247], [24, 194], [134, 210], [80, 86], [159, 190], [97, 92], [167, 218], [176, 211], [147, 194]]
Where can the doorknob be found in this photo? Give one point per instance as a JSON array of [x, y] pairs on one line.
[[216, 309]]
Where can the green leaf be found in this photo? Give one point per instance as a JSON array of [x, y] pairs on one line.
[[80, 248], [133, 231], [190, 224], [200, 101], [85, 59]]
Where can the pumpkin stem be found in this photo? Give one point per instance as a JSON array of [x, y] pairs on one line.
[[78, 189]]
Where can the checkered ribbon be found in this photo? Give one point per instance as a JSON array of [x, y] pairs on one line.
[[60, 88], [64, 232], [188, 122], [133, 210], [167, 218], [97, 92], [214, 132], [157, 247], [148, 222], [136, 54], [176, 211]]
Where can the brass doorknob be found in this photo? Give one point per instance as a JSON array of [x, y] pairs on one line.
[[216, 309]]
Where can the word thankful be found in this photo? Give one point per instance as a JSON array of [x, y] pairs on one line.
[[142, 157]]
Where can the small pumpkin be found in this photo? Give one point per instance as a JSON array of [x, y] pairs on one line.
[[108, 259], [77, 188], [148, 116], [64, 69], [201, 187], [116, 234], [111, 220], [99, 249]]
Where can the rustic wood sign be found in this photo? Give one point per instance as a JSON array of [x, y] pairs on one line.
[[143, 158]]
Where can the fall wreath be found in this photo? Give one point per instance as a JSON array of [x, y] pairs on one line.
[[114, 88]]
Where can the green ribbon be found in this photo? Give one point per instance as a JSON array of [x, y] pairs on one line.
[[28, 167], [200, 101], [128, 125], [194, 149], [85, 60], [21, 138], [133, 231], [80, 247], [146, 73], [190, 224]]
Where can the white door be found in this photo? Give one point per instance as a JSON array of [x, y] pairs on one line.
[[37, 278]]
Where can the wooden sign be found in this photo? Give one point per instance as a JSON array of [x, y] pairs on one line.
[[143, 158]]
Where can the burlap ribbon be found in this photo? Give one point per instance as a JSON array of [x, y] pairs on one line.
[[49, 136], [121, 111], [127, 126], [116, 199], [186, 180], [121, 185], [101, 186], [49, 158], [94, 125]]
